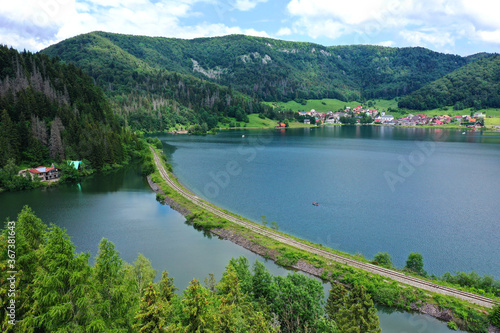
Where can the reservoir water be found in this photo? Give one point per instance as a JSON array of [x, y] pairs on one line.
[[121, 207], [379, 189]]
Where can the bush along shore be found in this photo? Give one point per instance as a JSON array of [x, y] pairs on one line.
[[458, 313]]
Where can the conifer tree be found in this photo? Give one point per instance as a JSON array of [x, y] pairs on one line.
[[151, 315], [61, 290], [358, 315], [335, 299], [197, 304], [167, 288], [116, 301], [8, 139]]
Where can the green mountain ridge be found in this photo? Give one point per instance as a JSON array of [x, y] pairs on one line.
[[157, 83], [147, 96], [274, 70], [476, 85]]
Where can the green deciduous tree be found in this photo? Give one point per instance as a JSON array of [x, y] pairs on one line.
[[383, 259], [415, 263], [298, 302], [261, 281]]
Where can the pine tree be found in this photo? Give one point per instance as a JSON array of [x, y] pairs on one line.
[[335, 300], [8, 139], [56, 144], [197, 308], [151, 317], [167, 288], [358, 315], [116, 301], [61, 289]]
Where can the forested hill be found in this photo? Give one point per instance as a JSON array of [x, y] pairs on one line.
[[474, 85], [264, 68], [145, 92], [50, 111]]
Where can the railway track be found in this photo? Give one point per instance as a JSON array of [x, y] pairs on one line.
[[396, 276]]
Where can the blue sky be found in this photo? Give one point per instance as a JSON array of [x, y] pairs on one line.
[[452, 26]]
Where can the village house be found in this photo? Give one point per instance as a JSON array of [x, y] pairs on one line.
[[406, 122], [387, 118], [42, 172], [337, 115], [307, 121]]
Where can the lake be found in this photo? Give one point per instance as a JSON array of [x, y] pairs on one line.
[[120, 206], [379, 189]]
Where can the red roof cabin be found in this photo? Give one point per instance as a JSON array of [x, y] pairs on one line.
[[44, 173]]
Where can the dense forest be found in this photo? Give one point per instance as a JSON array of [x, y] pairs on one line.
[[476, 85], [47, 287], [269, 69], [146, 96], [51, 112], [155, 83]]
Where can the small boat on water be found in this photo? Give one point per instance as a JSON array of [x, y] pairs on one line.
[[315, 204]]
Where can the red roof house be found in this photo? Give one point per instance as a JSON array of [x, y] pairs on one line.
[[44, 173]]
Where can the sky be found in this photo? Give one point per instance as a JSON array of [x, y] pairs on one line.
[[461, 27]]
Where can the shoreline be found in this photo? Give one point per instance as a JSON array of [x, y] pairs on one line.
[[250, 238], [429, 309]]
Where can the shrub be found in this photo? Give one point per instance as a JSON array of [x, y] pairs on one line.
[[495, 316]]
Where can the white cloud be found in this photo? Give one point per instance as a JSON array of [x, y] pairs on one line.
[[436, 23], [387, 43], [489, 36], [245, 5], [38, 24], [434, 38], [284, 32]]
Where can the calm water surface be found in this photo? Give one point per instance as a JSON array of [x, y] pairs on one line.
[[379, 189], [121, 207]]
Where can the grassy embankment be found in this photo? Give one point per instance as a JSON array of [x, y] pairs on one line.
[[383, 290], [328, 104], [256, 122]]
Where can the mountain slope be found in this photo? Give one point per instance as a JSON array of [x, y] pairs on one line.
[[147, 96], [51, 111], [474, 85], [264, 68]]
